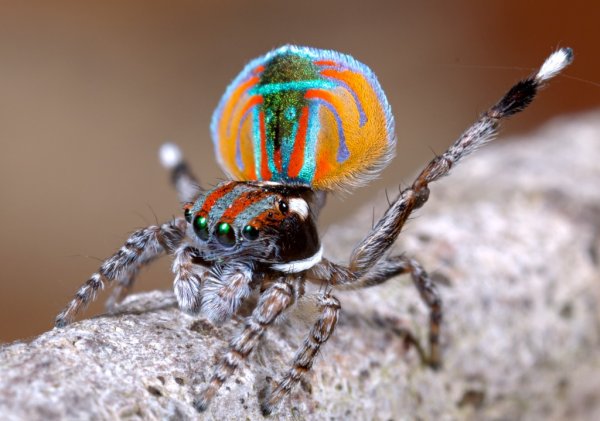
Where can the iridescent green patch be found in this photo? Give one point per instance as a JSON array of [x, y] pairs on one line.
[[283, 84]]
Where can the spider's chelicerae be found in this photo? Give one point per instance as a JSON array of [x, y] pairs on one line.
[[295, 124]]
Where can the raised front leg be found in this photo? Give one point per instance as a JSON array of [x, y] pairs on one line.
[[141, 247], [385, 232]]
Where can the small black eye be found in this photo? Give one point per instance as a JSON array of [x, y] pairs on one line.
[[225, 234], [283, 206], [201, 227], [188, 215], [250, 232]]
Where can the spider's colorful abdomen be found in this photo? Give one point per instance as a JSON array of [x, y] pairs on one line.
[[304, 116]]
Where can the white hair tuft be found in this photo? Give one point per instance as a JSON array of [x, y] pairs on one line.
[[554, 64], [170, 155]]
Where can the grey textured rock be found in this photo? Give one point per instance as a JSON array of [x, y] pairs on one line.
[[515, 232]]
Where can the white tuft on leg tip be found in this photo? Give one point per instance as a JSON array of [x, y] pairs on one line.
[[555, 63], [170, 155]]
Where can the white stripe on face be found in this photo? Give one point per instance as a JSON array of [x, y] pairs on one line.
[[299, 206], [299, 265]]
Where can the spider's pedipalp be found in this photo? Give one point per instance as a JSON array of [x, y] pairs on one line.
[[140, 248], [188, 279], [224, 290]]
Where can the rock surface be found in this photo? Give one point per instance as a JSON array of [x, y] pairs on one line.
[[514, 233]]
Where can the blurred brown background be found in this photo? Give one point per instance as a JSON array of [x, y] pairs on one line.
[[89, 90]]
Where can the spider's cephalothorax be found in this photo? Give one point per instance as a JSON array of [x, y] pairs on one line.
[[260, 223], [295, 124]]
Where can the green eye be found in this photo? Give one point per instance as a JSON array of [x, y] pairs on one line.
[[201, 227], [250, 232], [225, 234]]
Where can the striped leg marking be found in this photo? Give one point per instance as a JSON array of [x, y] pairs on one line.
[[188, 279], [431, 297], [305, 357], [142, 246], [272, 303], [388, 267]]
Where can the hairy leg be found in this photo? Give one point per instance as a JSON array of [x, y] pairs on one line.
[[366, 265], [278, 297], [344, 278], [189, 277], [431, 297], [382, 236], [123, 288], [305, 356], [142, 246]]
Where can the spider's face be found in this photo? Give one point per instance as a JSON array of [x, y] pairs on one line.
[[257, 221]]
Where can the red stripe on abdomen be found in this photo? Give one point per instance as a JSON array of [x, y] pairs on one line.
[[264, 165], [297, 158]]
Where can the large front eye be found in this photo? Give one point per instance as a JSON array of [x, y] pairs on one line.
[[283, 206], [225, 234], [250, 232], [201, 227]]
